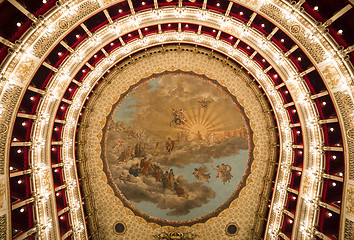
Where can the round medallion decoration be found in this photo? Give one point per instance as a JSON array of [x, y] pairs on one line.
[[63, 24], [295, 29], [231, 229], [177, 148], [119, 228]]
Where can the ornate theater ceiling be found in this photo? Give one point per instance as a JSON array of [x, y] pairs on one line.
[[166, 119]]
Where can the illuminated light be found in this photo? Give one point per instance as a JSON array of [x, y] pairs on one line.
[[299, 58], [15, 139], [146, 29], [259, 86], [214, 31], [187, 25], [275, 75], [53, 149], [143, 3], [32, 98], [298, 132], [61, 217], [129, 35], [18, 24], [80, 114], [298, 173], [56, 129], [60, 54], [334, 184], [218, 4], [56, 170], [241, 13], [88, 98], [263, 60], [248, 47], [69, 89], [112, 44], [340, 31], [95, 56], [315, 8], [19, 151], [120, 10], [57, 194], [340, 174], [331, 129], [282, 40], [290, 221], [329, 214], [44, 1], [294, 198], [11, 168], [286, 92], [334, 157], [83, 70], [108, 71], [231, 37], [19, 181], [22, 210], [324, 103], [262, 25], [24, 124], [62, 107], [77, 36], [269, 205], [169, 25], [300, 152], [294, 111]]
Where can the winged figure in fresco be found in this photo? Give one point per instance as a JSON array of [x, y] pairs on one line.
[[201, 174], [224, 172], [204, 103], [178, 117]]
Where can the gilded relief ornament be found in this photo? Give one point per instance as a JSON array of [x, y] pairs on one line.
[[332, 75], [350, 206], [2, 192], [175, 235], [307, 185]]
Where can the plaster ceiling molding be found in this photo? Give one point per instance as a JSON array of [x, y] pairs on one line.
[[100, 105]]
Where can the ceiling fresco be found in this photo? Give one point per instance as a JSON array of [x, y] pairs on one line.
[[177, 148]]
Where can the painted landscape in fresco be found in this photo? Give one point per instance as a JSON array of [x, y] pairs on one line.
[[177, 147]]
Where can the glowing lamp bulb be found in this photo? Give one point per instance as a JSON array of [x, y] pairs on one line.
[[22, 210]]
